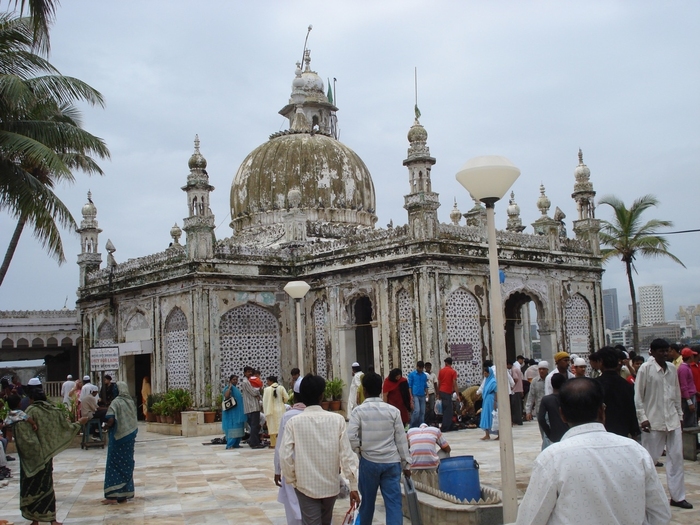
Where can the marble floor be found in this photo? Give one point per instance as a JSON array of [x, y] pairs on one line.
[[180, 481]]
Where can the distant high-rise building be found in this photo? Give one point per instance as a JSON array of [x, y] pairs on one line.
[[611, 312], [651, 304], [629, 314]]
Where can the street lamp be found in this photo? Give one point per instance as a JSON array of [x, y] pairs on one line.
[[488, 178], [297, 290]]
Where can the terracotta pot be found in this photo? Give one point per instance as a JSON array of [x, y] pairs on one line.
[[335, 405], [151, 417], [209, 417], [177, 417], [325, 405], [159, 418], [169, 420]]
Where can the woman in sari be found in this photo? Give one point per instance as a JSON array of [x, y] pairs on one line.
[[274, 398], [122, 424], [233, 420], [36, 450], [395, 392], [488, 396]]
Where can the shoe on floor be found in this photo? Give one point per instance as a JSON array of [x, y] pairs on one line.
[[682, 504], [259, 446], [658, 464], [9, 458]]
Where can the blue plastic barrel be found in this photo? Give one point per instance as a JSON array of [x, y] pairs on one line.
[[459, 476]]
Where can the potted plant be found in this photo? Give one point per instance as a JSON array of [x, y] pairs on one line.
[[217, 406], [178, 400], [150, 401], [327, 396], [209, 415], [335, 389], [158, 408]]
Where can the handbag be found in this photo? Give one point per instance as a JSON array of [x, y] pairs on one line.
[[412, 501], [228, 404]]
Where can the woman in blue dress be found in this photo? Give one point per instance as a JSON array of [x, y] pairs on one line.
[[233, 420], [121, 421], [488, 396]]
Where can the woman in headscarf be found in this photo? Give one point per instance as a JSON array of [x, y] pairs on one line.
[[36, 450], [233, 420], [75, 398], [395, 392], [488, 396], [274, 398], [145, 392], [122, 424]]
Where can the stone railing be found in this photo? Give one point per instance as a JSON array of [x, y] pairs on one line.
[[175, 253], [23, 314]]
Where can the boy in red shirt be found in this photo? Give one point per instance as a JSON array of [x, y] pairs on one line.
[[447, 385]]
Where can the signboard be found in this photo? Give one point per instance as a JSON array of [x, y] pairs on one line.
[[578, 344], [106, 358], [462, 352], [136, 348]]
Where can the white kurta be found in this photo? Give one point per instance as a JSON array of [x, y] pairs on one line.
[[354, 386]]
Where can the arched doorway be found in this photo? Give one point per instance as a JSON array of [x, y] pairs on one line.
[[518, 323], [364, 342]]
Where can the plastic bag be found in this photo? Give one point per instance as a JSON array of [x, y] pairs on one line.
[[351, 516], [494, 423], [438, 407]]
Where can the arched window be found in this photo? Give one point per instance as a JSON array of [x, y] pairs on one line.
[[177, 355], [462, 314]]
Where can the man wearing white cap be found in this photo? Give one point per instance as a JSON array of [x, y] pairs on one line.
[[579, 367], [66, 389], [532, 405], [355, 384], [85, 391]]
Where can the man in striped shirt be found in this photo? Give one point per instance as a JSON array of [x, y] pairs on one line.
[[422, 442]]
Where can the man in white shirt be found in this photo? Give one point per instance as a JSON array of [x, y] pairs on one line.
[[355, 384], [87, 388], [66, 388], [592, 476], [315, 448], [561, 361], [657, 397], [432, 387], [376, 433]]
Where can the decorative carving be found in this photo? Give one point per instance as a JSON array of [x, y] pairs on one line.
[[177, 351], [406, 327]]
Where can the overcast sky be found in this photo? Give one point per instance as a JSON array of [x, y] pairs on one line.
[[532, 81]]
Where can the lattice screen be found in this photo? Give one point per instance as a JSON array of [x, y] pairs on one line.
[[406, 332], [177, 354], [107, 336], [319, 316], [462, 313], [249, 336], [577, 319]]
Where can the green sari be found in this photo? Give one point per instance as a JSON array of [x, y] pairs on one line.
[[36, 450]]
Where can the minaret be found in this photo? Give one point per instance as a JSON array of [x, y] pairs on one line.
[[421, 203], [515, 223], [545, 225], [89, 259], [587, 227], [199, 225]]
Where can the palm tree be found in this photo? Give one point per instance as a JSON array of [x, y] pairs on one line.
[[41, 139], [626, 237], [42, 14]]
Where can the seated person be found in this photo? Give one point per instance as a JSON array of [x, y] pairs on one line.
[[89, 405], [423, 443]]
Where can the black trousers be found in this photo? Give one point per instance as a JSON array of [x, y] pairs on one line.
[[516, 408], [254, 422], [446, 400]]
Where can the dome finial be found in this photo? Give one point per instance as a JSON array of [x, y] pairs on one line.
[[307, 60], [580, 156], [197, 160], [455, 214], [89, 196], [543, 202]]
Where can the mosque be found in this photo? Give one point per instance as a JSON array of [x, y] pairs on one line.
[[302, 208]]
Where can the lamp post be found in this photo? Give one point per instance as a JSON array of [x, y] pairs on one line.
[[488, 178], [297, 290]]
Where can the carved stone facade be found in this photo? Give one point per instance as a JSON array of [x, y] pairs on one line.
[[385, 297]]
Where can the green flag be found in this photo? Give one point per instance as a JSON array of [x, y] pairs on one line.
[[330, 92], [417, 112]]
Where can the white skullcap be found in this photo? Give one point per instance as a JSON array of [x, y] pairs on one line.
[[34, 381], [69, 376], [355, 365], [93, 388], [573, 357], [543, 364], [579, 362], [86, 378]]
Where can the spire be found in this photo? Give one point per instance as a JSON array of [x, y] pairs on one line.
[[455, 214], [515, 223], [583, 190], [543, 202]]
